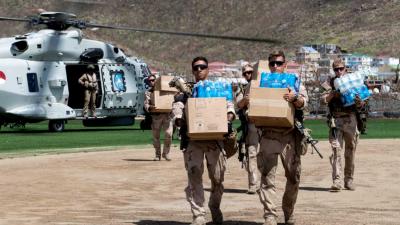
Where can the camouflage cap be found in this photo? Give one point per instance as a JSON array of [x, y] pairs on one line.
[[337, 63]]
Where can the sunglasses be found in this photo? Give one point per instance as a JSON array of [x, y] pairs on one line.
[[247, 72], [338, 69], [151, 80], [200, 66], [277, 63]]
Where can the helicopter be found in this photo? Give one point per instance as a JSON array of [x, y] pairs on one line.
[[39, 74]]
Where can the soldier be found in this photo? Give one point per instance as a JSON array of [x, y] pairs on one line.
[[250, 132], [194, 154], [89, 81], [343, 128], [275, 142], [159, 121]]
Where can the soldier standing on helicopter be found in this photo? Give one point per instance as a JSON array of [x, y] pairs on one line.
[[159, 121], [89, 82], [249, 133]]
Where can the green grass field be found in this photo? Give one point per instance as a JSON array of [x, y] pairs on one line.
[[36, 138]]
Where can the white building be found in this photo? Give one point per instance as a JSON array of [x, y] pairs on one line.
[[382, 60]]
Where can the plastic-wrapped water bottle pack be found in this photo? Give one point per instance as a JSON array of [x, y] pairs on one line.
[[349, 86], [280, 80], [209, 89]]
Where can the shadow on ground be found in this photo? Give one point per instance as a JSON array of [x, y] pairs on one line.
[[139, 160], [230, 190], [314, 189], [167, 222]]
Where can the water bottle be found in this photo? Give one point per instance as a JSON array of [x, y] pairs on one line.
[[264, 79], [200, 89], [229, 92], [284, 80]]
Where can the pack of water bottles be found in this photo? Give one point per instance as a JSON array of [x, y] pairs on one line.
[[350, 85], [210, 89], [280, 80]]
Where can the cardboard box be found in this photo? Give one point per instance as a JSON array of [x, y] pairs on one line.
[[162, 100], [206, 118], [268, 108], [260, 67], [162, 84]]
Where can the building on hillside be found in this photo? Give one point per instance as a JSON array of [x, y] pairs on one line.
[[293, 67], [356, 62], [383, 60], [307, 55], [324, 49]]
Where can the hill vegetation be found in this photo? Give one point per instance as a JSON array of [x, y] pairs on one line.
[[363, 26]]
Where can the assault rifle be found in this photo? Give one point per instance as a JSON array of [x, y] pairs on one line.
[[308, 138], [243, 154]]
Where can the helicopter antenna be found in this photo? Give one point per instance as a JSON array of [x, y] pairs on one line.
[[61, 21]]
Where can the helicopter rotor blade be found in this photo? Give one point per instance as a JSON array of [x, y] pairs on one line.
[[235, 38], [14, 19]]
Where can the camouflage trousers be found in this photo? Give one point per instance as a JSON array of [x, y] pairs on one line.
[[347, 138], [162, 121], [272, 145], [89, 102], [194, 164], [252, 140]]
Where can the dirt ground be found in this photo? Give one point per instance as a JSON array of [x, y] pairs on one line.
[[124, 186]]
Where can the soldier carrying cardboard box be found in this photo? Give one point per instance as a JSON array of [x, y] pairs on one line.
[[280, 142], [195, 151], [160, 120]]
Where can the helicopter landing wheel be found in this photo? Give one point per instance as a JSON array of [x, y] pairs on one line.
[[56, 125]]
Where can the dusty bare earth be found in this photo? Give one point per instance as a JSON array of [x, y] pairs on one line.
[[125, 187]]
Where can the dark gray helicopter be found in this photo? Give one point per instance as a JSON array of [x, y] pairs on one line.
[[39, 73]]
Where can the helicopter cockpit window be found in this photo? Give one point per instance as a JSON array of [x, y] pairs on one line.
[[118, 81], [33, 84]]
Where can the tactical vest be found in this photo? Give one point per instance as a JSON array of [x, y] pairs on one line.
[[336, 105]]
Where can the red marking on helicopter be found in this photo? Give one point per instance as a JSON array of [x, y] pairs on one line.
[[2, 77]]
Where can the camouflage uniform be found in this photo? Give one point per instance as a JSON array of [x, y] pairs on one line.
[[281, 142], [194, 154], [89, 82], [160, 121], [346, 131], [252, 141]]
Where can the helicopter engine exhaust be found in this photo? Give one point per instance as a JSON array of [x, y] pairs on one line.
[[19, 46]]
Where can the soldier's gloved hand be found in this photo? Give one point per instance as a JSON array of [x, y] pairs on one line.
[[358, 101]]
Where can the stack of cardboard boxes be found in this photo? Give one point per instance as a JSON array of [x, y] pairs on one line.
[[267, 106], [163, 95]]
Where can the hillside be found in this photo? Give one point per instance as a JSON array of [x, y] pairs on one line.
[[363, 26]]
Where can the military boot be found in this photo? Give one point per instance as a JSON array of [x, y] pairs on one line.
[[166, 157], [198, 220], [217, 216], [349, 185], [290, 221], [157, 158], [252, 190], [270, 220], [336, 187]]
